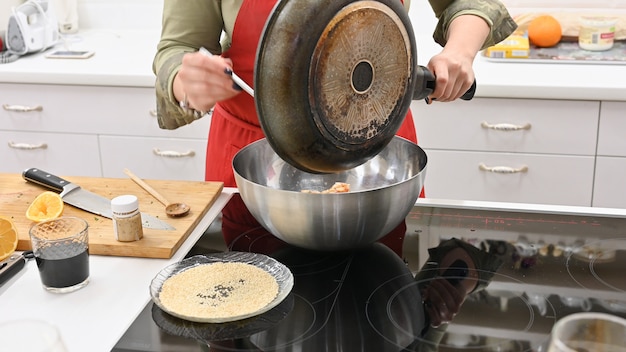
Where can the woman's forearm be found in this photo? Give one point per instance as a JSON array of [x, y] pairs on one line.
[[466, 35]]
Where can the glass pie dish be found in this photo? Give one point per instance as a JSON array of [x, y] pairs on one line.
[[277, 270]]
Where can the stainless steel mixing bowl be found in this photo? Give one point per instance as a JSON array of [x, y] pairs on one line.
[[382, 192]]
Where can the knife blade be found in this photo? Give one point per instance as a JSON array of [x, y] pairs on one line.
[[74, 195]]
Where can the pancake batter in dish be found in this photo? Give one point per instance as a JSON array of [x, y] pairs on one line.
[[218, 291]]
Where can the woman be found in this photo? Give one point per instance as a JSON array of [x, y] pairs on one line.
[[190, 83]]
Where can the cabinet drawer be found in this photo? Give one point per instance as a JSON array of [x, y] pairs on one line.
[[155, 158], [548, 179], [87, 109], [58, 153], [547, 126], [611, 139], [609, 189]]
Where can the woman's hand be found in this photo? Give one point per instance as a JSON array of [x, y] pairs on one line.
[[442, 301], [204, 81], [443, 296], [453, 66], [454, 75]]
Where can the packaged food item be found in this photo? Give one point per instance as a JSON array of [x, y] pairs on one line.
[[597, 33], [516, 46]]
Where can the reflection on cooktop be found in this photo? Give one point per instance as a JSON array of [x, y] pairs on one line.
[[523, 272]]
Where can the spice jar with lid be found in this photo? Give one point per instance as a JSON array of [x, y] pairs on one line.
[[126, 218]]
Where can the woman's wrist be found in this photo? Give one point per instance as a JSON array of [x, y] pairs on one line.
[[180, 96]]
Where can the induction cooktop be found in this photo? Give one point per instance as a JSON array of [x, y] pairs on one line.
[[531, 266]]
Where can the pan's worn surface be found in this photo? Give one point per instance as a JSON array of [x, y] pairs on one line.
[[334, 80]]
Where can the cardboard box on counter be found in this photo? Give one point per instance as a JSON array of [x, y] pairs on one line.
[[516, 46]]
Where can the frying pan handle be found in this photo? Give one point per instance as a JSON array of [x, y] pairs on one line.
[[425, 85]]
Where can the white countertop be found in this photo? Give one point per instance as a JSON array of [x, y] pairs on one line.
[[95, 317], [536, 80], [124, 58]]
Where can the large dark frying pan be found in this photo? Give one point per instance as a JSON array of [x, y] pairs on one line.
[[334, 80]]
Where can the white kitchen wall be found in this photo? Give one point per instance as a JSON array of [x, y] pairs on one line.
[[146, 14], [567, 4], [556, 6], [107, 14], [120, 14], [6, 7]]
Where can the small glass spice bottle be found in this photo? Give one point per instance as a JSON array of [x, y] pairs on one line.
[[126, 218]]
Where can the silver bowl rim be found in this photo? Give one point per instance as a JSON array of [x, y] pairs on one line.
[[355, 192]]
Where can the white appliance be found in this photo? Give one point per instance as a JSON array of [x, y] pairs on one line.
[[32, 27]]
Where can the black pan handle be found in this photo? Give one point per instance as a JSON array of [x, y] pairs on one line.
[[456, 272], [426, 82]]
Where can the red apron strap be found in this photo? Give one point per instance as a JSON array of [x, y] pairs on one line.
[[246, 34], [234, 122]]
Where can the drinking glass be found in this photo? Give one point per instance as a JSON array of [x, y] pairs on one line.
[[61, 249], [589, 331]]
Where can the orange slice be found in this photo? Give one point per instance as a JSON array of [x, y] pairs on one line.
[[8, 238], [47, 206]]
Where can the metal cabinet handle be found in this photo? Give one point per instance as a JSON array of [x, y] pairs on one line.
[[502, 169], [25, 146], [507, 127], [173, 154], [22, 108]]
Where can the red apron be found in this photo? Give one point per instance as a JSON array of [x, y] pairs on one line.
[[235, 124]]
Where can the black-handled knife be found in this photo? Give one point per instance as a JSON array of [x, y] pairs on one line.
[[74, 195], [12, 265]]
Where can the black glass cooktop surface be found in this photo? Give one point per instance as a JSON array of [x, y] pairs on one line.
[[462, 279]]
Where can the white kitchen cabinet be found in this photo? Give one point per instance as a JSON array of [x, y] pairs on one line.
[[163, 158], [511, 150], [59, 153], [609, 188], [610, 183], [612, 130], [108, 117], [509, 125], [101, 110], [509, 177]]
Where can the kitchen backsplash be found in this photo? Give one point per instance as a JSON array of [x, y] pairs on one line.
[[146, 14], [120, 14], [567, 4], [109, 14]]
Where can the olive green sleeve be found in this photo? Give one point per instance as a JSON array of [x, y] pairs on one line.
[[492, 11], [186, 26]]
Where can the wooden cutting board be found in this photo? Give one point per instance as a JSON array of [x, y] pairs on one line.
[[16, 194]]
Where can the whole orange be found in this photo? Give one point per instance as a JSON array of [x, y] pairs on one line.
[[544, 31]]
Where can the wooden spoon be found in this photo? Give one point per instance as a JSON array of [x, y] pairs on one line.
[[171, 209]]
